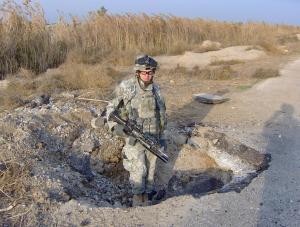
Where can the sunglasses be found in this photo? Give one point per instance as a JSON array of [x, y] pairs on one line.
[[147, 72]]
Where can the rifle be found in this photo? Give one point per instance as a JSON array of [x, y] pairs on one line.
[[131, 129]]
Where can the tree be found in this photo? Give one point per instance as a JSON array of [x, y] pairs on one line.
[[102, 11]]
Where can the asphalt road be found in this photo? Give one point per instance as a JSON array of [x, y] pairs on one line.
[[273, 198]]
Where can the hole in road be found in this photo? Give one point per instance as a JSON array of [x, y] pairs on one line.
[[190, 171], [181, 183], [197, 183], [193, 169]]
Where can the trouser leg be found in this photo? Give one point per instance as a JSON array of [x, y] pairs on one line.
[[134, 162], [151, 165]]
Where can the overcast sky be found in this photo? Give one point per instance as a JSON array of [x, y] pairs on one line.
[[271, 11]]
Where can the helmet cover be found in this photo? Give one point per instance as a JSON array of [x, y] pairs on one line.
[[144, 62]]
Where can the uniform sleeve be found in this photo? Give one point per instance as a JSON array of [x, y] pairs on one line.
[[162, 108], [125, 91], [113, 104]]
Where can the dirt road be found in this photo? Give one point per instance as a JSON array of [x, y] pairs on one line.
[[266, 117]]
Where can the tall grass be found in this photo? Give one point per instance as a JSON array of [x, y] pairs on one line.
[[27, 41]]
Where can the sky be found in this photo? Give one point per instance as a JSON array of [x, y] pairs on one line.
[[270, 11]]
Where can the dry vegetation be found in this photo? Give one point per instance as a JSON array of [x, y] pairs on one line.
[[24, 85], [14, 185], [27, 41], [29, 46], [228, 62], [14, 179], [223, 72], [262, 73], [92, 46]]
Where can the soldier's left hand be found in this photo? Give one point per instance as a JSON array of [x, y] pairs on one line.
[[163, 143]]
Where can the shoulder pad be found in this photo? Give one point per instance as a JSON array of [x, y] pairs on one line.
[[126, 89]]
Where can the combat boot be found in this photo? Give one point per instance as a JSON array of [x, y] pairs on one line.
[[151, 195], [138, 200], [148, 198]]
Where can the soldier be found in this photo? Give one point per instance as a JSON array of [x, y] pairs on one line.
[[144, 104]]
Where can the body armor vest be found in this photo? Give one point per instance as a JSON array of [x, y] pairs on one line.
[[145, 106], [144, 110]]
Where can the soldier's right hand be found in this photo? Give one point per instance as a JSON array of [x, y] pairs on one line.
[[118, 130]]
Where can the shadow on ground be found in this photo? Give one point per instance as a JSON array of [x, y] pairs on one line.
[[280, 204]]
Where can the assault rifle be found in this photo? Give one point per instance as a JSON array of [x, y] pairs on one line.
[[131, 129]]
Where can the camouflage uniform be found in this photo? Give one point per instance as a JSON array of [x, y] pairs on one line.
[[147, 108]]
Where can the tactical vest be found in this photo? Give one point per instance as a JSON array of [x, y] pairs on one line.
[[143, 108]]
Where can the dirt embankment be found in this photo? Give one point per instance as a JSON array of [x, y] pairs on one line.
[[191, 59]]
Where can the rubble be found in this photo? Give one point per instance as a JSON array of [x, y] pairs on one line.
[[244, 162], [87, 142], [2, 166], [66, 153], [40, 100], [209, 98]]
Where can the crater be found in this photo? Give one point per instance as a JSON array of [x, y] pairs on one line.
[[202, 162]]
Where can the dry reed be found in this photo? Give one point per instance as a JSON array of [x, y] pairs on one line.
[[222, 72], [14, 184], [27, 41], [263, 73]]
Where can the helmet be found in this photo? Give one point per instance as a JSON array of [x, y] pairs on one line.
[[144, 62]]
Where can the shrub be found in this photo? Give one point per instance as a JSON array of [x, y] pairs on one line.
[[22, 88], [226, 62], [217, 73], [207, 73], [262, 73]]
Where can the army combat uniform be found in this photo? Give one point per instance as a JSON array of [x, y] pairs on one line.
[[147, 108]]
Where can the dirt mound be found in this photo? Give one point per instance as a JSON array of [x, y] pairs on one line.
[[63, 156], [190, 59]]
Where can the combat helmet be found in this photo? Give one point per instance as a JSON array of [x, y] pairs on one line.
[[145, 62]]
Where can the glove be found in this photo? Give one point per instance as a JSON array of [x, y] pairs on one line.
[[118, 130], [163, 143]]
